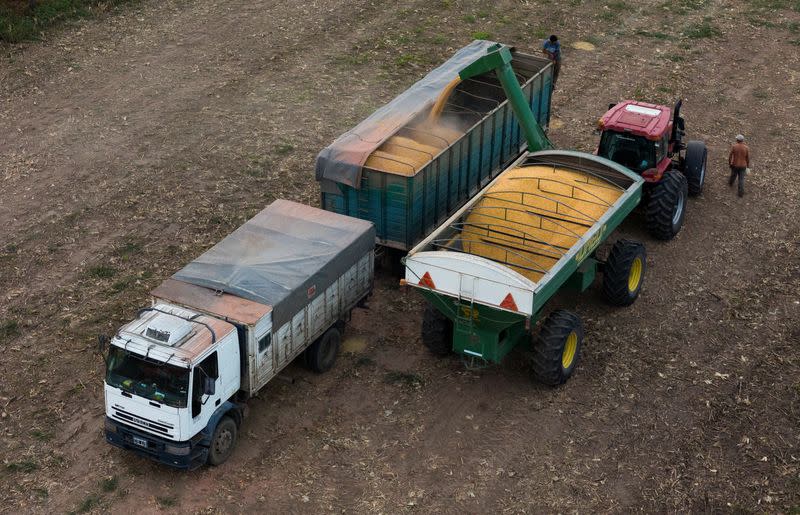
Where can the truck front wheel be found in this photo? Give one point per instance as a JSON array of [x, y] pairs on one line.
[[321, 355], [223, 441], [667, 206], [557, 347]]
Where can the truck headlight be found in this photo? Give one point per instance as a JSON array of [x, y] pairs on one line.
[[177, 450], [110, 426]]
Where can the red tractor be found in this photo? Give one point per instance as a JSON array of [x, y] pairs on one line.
[[648, 139]]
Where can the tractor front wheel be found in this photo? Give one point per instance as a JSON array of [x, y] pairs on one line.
[[437, 332], [557, 347], [623, 272], [667, 206], [694, 166]]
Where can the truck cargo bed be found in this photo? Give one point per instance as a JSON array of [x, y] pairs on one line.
[[462, 105], [283, 278], [413, 174]]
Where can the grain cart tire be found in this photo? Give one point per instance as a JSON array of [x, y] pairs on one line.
[[321, 355], [437, 332], [557, 347], [694, 166], [223, 441], [666, 207], [623, 273]]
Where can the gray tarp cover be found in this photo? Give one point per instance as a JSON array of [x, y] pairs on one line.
[[342, 160], [282, 255]]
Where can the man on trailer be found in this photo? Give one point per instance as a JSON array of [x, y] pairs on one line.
[[552, 49]]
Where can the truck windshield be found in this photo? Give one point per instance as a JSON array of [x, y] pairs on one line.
[[167, 384], [635, 152]]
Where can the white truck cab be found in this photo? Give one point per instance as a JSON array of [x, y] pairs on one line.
[[171, 376]]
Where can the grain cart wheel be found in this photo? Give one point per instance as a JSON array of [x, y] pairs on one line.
[[437, 331], [557, 347], [321, 355], [694, 166], [223, 441], [623, 273], [667, 206]]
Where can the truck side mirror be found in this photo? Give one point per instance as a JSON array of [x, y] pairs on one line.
[[209, 385], [102, 343]]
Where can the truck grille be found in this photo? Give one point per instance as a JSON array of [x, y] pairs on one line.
[[141, 422]]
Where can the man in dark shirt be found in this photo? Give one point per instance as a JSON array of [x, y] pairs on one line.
[[552, 49], [739, 161]]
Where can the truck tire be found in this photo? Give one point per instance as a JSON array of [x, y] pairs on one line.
[[437, 332], [223, 441], [666, 207], [557, 347], [321, 355], [623, 273], [694, 166]]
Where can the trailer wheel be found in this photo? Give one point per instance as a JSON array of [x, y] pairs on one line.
[[557, 347], [437, 332], [223, 441], [667, 206], [321, 355], [694, 166], [623, 273]]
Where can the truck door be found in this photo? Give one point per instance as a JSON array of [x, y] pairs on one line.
[[202, 405]]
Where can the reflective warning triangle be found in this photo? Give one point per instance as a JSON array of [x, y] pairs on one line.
[[427, 281], [508, 303]]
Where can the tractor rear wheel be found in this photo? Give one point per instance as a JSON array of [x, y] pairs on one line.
[[694, 166], [557, 347], [667, 206], [623, 273], [437, 332]]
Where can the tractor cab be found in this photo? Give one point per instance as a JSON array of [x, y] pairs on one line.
[[648, 139], [644, 137]]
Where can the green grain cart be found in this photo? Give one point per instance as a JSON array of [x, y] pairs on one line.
[[489, 271]]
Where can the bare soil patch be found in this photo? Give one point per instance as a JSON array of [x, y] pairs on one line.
[[131, 144]]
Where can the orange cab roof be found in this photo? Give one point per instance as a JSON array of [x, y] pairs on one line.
[[206, 300]]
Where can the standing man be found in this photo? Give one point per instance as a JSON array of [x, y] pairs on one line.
[[739, 161], [552, 49]]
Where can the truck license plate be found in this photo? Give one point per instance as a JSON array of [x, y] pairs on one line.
[[141, 442]]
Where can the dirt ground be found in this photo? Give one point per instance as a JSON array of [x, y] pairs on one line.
[[132, 142]]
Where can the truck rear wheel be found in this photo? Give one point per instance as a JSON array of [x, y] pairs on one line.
[[557, 347], [694, 166], [623, 273], [321, 355], [437, 332], [667, 206], [223, 441]]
